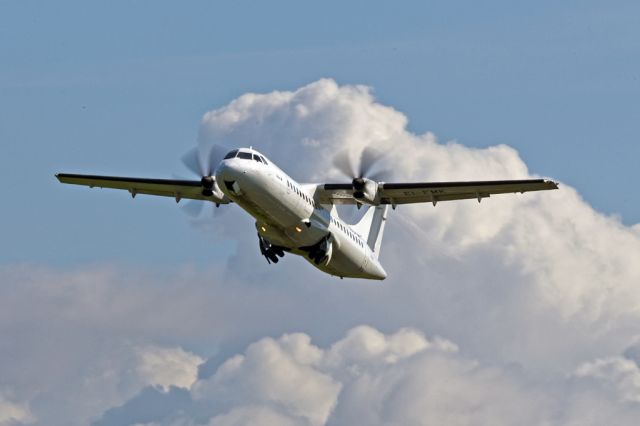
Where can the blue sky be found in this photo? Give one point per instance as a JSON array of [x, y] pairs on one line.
[[120, 87], [525, 306]]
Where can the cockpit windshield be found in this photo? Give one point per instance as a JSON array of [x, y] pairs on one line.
[[246, 156], [232, 154]]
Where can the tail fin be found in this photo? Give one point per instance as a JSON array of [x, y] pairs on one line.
[[371, 227]]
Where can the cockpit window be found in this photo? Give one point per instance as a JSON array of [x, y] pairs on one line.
[[244, 155], [263, 160], [256, 157], [231, 154]]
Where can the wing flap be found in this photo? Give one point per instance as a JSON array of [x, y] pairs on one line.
[[335, 193]]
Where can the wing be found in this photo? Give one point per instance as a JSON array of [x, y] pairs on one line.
[[432, 192], [178, 189]]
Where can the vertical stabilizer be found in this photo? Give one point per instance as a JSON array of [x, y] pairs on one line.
[[377, 228], [371, 226]]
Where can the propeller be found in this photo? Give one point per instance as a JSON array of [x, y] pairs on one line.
[[364, 182], [204, 166], [194, 209], [368, 159]]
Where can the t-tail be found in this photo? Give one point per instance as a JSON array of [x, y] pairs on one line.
[[371, 227]]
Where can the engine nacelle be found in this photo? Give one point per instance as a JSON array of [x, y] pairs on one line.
[[366, 191], [321, 253], [328, 253], [211, 189], [218, 194]]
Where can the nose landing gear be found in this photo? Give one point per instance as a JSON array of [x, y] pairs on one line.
[[269, 251]]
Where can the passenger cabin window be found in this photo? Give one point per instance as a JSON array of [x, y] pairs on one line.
[[244, 155], [232, 154]]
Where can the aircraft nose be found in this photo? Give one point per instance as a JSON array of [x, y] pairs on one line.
[[231, 176], [227, 170]]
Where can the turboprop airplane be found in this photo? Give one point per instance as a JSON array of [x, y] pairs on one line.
[[301, 218]]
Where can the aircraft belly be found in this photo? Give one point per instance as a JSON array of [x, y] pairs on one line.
[[263, 201], [347, 260], [272, 207]]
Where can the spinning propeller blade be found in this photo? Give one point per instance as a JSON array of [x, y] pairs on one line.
[[368, 159], [204, 165]]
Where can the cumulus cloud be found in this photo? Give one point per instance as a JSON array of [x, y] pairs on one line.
[[278, 372], [618, 375], [247, 416], [12, 413], [166, 367], [402, 378], [293, 376], [536, 297], [549, 256], [66, 350]]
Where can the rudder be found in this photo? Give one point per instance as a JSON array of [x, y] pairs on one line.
[[371, 226]]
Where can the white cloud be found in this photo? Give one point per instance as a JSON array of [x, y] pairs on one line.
[[12, 413], [253, 415], [538, 292], [617, 375], [278, 372], [361, 373], [425, 387], [402, 378], [167, 367], [366, 345], [544, 265]]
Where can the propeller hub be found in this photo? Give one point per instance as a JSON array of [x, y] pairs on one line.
[[207, 182], [358, 184]]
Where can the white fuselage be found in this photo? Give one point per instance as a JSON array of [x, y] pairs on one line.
[[288, 216]]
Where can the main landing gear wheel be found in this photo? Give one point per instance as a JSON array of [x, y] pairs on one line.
[[269, 251]]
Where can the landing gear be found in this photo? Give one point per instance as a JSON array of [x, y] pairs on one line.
[[269, 251]]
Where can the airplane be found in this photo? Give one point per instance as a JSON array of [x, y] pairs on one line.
[[301, 218]]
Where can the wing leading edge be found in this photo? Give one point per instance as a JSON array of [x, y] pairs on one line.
[[433, 192], [175, 188]]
